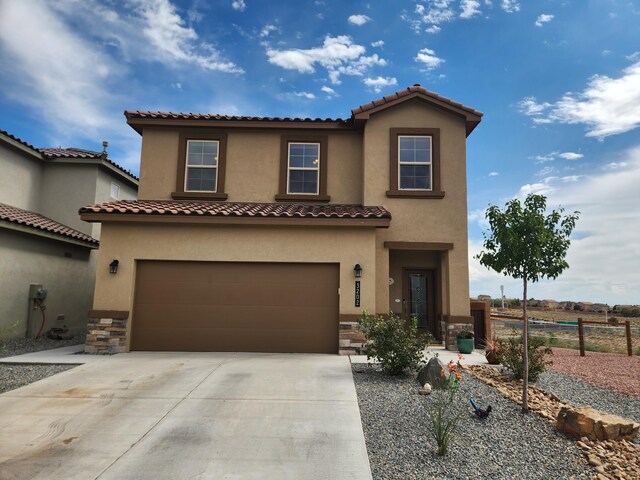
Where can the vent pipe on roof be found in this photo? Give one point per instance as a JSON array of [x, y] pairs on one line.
[[105, 145]]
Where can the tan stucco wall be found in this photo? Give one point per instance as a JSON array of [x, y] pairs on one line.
[[421, 220], [131, 242], [28, 259], [103, 194], [252, 165], [66, 188], [20, 179]]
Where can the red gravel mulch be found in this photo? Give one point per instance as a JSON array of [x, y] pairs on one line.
[[619, 373]]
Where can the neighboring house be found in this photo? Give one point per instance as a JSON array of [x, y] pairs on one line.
[[550, 304], [273, 234], [42, 239]]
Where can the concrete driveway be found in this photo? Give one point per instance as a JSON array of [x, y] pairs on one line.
[[180, 416]]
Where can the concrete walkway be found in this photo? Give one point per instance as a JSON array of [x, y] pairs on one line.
[[71, 355], [146, 415], [474, 358]]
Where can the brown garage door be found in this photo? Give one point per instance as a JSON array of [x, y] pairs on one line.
[[229, 307]]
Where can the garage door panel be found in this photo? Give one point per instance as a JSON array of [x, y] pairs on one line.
[[231, 316], [210, 306]]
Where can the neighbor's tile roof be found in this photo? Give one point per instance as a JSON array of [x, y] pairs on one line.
[[81, 153], [19, 140], [229, 209], [36, 221], [207, 116], [409, 91]]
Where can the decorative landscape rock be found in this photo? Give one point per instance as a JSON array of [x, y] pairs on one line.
[[426, 389], [430, 373], [577, 422]]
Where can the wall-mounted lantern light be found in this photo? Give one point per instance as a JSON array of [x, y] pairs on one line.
[[113, 266], [357, 270]]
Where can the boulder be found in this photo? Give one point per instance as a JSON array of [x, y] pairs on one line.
[[577, 422], [430, 373]]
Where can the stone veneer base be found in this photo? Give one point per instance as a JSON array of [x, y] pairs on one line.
[[107, 332]]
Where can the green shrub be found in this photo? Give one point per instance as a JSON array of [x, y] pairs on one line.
[[511, 351], [613, 320], [392, 343]]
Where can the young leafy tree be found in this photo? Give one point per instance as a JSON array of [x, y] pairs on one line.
[[524, 242]]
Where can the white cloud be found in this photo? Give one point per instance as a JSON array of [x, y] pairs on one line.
[[605, 258], [358, 20], [307, 95], [615, 165], [607, 106], [433, 29], [268, 29], [634, 56], [529, 106], [510, 6], [549, 157], [56, 71], [493, 174], [339, 55], [571, 155], [379, 43], [542, 19], [546, 171], [470, 8], [239, 5], [328, 90], [377, 84], [429, 58]]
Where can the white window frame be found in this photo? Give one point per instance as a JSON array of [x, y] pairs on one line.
[[187, 166], [116, 187], [430, 163], [289, 168]]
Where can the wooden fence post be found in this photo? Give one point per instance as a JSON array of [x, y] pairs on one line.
[[581, 336], [627, 328]]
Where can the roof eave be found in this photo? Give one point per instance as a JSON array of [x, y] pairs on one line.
[[45, 234], [377, 222], [471, 119]]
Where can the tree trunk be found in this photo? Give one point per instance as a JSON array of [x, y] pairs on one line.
[[525, 348]]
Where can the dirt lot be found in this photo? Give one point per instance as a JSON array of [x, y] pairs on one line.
[[619, 373]]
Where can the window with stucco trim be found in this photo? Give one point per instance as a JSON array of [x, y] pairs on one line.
[[303, 168]]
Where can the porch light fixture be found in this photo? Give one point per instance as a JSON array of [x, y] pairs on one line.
[[357, 270], [113, 266]]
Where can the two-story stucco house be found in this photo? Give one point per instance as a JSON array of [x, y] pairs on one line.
[[43, 242], [273, 234]]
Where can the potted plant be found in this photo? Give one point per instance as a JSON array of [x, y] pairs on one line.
[[465, 341], [492, 352]]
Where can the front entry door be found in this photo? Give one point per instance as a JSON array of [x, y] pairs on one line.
[[419, 299]]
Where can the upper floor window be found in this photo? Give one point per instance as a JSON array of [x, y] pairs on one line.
[[303, 168], [414, 159], [201, 165], [115, 191], [414, 163]]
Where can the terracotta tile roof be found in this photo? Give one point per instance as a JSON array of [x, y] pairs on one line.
[[129, 114], [19, 140], [39, 222], [81, 153], [69, 153], [228, 209], [409, 91]]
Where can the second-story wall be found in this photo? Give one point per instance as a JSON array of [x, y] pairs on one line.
[[252, 164], [20, 178]]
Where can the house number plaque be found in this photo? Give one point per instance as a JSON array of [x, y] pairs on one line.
[[357, 293]]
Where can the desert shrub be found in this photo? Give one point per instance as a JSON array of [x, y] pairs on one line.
[[613, 320], [511, 351], [392, 342]]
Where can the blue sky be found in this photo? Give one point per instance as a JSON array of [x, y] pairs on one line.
[[558, 81]]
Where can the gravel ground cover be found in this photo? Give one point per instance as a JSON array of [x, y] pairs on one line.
[[14, 376], [577, 392], [20, 345], [619, 373], [507, 445]]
